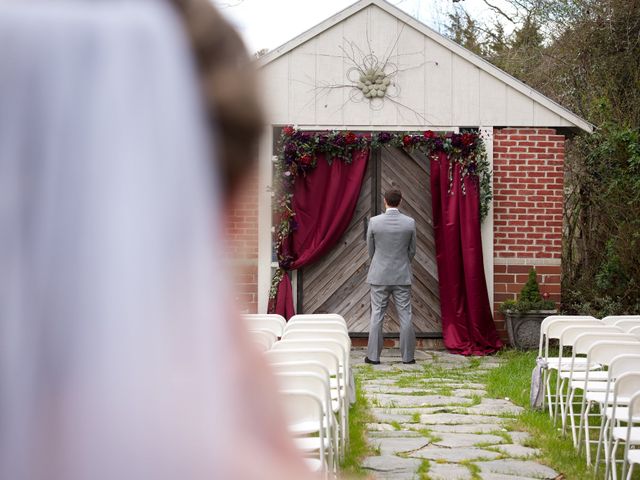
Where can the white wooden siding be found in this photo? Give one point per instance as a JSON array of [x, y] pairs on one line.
[[437, 86]]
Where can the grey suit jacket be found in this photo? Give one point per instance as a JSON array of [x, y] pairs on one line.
[[391, 239]]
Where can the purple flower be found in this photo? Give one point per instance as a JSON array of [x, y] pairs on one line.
[[384, 137]]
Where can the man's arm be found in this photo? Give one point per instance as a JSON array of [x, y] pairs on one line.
[[370, 242], [412, 243]]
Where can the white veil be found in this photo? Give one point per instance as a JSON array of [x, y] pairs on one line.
[[119, 354]]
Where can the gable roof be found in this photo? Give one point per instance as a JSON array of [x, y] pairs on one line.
[[471, 57]]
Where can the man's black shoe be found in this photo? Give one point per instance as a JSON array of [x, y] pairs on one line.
[[372, 362], [410, 362]]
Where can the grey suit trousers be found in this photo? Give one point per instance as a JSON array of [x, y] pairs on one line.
[[379, 302]]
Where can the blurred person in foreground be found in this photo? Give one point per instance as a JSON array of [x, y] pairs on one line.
[[120, 354]]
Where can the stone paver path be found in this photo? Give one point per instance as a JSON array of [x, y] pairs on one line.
[[433, 420]]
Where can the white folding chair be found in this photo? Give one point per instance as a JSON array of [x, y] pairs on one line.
[[338, 348], [270, 322], [304, 416], [329, 359], [616, 318], [632, 436], [595, 390], [318, 369], [634, 331], [318, 386], [620, 365], [626, 386], [575, 377]]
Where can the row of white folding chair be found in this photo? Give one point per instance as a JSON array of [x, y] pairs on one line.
[[265, 321], [551, 329], [304, 415], [627, 386], [569, 366], [622, 363], [314, 381], [339, 347], [596, 385], [575, 376]]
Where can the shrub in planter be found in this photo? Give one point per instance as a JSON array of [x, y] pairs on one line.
[[524, 315]]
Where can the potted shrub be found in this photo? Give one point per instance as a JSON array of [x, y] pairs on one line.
[[524, 315]]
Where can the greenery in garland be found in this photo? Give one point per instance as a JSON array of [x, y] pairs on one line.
[[298, 155], [529, 298]]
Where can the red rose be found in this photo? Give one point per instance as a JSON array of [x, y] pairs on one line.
[[407, 140], [306, 159], [288, 130], [468, 139], [350, 138], [429, 134]]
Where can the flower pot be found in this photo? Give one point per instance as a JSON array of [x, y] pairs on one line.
[[523, 328]]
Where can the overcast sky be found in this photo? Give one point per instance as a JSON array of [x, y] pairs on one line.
[[270, 23]]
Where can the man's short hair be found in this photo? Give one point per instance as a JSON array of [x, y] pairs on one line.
[[393, 197]]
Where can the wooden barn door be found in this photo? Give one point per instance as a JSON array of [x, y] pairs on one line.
[[337, 283]]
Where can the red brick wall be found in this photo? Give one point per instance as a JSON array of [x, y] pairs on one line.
[[242, 244], [528, 172]]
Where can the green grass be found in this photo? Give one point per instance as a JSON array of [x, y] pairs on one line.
[[423, 470], [512, 380], [358, 449]]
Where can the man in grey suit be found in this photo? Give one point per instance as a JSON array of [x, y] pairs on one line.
[[391, 239]]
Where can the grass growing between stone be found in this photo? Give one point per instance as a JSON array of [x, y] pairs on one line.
[[359, 417], [512, 380]]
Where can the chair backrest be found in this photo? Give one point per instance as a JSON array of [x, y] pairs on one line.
[[304, 366], [321, 355], [308, 382], [617, 318], [317, 325], [634, 413], [634, 331], [272, 323], [604, 352], [334, 346], [263, 338], [585, 341], [623, 364], [627, 385], [627, 324], [569, 334], [309, 334], [317, 317]]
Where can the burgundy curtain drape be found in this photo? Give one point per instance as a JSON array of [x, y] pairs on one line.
[[323, 201], [467, 323]]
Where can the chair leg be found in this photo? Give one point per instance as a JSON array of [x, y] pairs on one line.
[[587, 440], [600, 441], [614, 468], [567, 402], [630, 474], [547, 387], [559, 407]]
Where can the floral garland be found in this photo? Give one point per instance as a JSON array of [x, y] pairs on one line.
[[298, 155]]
